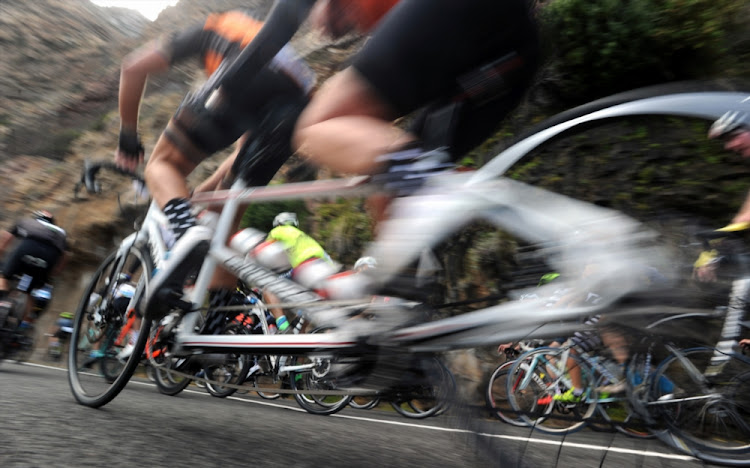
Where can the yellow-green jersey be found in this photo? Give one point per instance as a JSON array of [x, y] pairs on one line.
[[299, 246]]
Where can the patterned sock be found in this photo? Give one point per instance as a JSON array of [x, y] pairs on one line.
[[180, 218]]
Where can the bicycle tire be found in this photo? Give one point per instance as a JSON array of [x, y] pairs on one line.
[[369, 402], [316, 379], [496, 396], [234, 370], [551, 417], [713, 427], [161, 363], [426, 402], [94, 319], [168, 384], [621, 417]]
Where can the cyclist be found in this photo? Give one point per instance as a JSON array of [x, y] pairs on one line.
[[734, 127], [467, 63], [277, 95], [423, 53], [300, 249], [63, 327], [40, 253]]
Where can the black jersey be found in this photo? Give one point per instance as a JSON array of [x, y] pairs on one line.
[[41, 231]]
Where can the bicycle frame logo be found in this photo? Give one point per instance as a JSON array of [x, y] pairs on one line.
[[252, 273]]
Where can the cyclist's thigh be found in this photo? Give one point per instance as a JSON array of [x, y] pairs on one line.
[[422, 46], [279, 103], [199, 135]]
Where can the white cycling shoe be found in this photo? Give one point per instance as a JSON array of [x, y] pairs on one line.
[[166, 288]]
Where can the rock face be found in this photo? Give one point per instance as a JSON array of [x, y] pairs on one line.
[[59, 61], [59, 76]]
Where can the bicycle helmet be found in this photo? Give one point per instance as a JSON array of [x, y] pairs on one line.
[[286, 219], [365, 262], [44, 215]]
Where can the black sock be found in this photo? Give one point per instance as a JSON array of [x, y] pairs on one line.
[[215, 319], [180, 218]]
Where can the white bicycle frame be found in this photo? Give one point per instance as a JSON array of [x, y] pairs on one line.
[[572, 234]]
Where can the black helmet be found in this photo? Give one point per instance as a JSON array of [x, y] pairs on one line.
[[44, 215]]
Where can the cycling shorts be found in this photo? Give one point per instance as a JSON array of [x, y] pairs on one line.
[[422, 49], [588, 341], [15, 264], [201, 133]]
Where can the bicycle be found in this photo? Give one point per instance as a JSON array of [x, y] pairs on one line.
[[14, 342], [567, 232], [696, 399]]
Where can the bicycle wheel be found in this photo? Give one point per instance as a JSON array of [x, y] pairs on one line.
[[707, 416], [496, 395], [263, 380], [102, 325], [435, 387], [232, 370], [544, 367], [163, 365], [168, 382], [364, 402], [316, 378], [618, 413], [315, 381]]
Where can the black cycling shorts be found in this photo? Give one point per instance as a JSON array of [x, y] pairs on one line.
[[200, 134], [422, 48], [23, 261]]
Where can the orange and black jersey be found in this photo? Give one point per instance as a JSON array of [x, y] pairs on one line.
[[222, 35]]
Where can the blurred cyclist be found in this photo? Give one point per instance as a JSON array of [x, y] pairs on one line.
[[263, 120], [40, 254], [734, 127], [299, 249]]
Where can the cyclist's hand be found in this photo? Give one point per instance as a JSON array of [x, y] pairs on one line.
[[745, 345], [504, 347], [740, 143], [704, 269], [129, 152]]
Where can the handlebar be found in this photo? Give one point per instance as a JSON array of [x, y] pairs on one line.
[[91, 170]]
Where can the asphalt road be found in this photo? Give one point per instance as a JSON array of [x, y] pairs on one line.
[[43, 426]]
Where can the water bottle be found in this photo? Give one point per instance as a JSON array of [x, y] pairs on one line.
[[247, 239]]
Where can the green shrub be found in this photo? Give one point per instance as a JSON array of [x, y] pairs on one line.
[[599, 47]]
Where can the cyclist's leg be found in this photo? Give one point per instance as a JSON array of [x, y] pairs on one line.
[[39, 274], [415, 56]]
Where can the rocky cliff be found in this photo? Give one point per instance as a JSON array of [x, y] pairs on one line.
[[58, 107]]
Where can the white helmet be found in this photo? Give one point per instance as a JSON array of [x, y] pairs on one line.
[[285, 219], [365, 262]]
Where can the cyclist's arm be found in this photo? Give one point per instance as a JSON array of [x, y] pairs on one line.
[[136, 67], [282, 23]]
